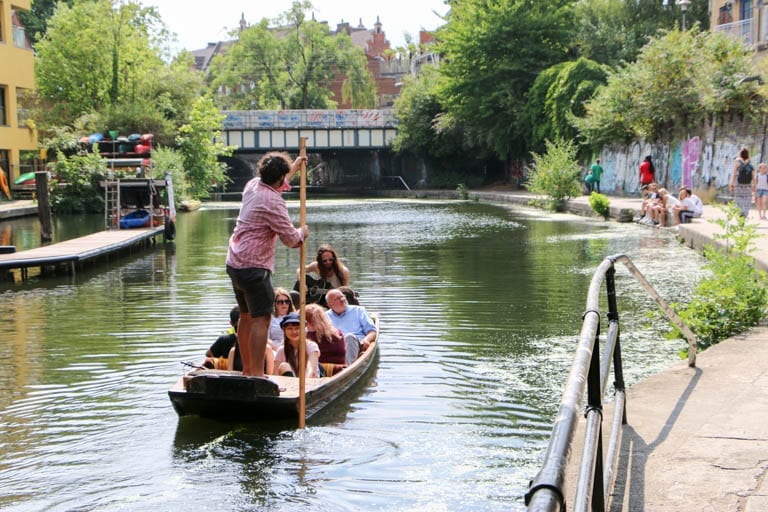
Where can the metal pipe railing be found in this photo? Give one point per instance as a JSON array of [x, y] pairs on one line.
[[589, 373]]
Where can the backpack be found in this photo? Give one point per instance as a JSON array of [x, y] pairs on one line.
[[744, 176]]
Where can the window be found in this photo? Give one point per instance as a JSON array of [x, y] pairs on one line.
[[22, 113], [20, 39], [3, 103], [746, 10]]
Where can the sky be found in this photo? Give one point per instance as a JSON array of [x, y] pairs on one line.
[[195, 27]]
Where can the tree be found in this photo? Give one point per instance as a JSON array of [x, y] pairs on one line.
[[493, 52], [103, 61], [678, 80], [36, 19], [424, 130], [291, 67], [614, 31], [197, 142], [557, 100]]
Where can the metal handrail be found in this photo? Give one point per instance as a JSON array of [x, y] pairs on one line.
[[590, 371]]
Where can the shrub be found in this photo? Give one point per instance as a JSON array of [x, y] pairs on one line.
[[463, 191], [79, 175], [599, 204], [556, 174], [733, 298]]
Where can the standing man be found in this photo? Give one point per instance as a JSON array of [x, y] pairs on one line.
[[597, 171], [262, 219]]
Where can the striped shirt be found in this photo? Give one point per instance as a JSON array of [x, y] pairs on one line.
[[262, 219]]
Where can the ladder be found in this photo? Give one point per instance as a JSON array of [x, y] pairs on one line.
[[112, 204]]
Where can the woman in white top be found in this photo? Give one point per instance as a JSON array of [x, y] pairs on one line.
[[283, 306], [287, 357], [761, 190]]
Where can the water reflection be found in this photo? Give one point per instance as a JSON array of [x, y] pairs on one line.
[[480, 309]]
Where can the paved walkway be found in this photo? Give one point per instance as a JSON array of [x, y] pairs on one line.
[[696, 438]]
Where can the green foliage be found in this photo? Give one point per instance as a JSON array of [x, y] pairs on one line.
[[734, 298], [292, 67], [599, 204], [104, 59], [80, 175], [493, 52], [36, 19], [425, 131], [678, 80], [613, 31], [557, 99], [197, 142], [463, 191], [169, 161], [555, 174]]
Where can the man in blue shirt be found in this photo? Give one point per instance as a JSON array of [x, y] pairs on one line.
[[352, 321]]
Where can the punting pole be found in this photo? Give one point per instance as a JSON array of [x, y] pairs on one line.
[[302, 288]]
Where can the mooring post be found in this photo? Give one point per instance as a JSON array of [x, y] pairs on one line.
[[43, 206]]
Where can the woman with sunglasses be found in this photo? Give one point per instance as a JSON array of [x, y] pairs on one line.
[[328, 267], [283, 306]]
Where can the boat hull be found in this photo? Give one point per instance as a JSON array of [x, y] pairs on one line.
[[236, 397]]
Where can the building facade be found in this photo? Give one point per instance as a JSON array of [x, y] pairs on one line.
[[747, 19], [17, 63]]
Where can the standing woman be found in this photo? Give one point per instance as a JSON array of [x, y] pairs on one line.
[[647, 172], [743, 189]]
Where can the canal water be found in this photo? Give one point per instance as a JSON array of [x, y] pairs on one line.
[[480, 308]]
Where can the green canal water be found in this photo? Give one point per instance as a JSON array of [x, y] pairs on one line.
[[480, 309]]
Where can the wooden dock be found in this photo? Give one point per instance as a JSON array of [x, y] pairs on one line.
[[76, 251]]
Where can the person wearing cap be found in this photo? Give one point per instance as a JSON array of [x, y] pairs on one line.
[[263, 218], [358, 328], [287, 357]]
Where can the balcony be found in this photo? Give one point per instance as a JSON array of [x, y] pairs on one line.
[[742, 29]]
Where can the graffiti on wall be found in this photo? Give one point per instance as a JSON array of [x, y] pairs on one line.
[[699, 161]]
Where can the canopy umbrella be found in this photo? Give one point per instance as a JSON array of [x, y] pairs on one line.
[[25, 177]]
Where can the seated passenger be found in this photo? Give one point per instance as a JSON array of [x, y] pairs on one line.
[[283, 306], [351, 320], [351, 295], [287, 357], [330, 271], [217, 355], [224, 354], [331, 341]]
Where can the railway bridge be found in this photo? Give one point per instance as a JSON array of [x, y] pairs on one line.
[[347, 149]]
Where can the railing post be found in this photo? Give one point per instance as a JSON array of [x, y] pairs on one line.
[[595, 406]]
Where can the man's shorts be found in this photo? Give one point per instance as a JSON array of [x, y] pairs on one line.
[[253, 290]]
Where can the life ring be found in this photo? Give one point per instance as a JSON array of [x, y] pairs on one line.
[[170, 228]]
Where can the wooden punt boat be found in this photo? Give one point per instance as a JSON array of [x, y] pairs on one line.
[[230, 395]]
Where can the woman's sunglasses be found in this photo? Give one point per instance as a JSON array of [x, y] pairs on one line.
[[282, 301]]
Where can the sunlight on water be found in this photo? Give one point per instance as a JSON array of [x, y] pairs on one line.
[[480, 309]]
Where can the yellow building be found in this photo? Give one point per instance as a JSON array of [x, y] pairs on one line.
[[17, 62]]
